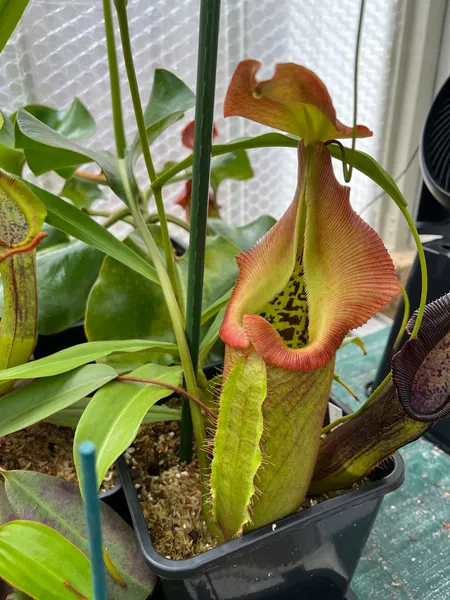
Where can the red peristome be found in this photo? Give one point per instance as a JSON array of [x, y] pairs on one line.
[[348, 272]]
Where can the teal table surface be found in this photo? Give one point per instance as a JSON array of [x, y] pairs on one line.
[[407, 556]]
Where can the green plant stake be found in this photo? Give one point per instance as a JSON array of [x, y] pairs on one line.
[[204, 113], [92, 512]]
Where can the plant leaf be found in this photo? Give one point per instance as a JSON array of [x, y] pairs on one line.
[[81, 193], [169, 100], [31, 403], [237, 454], [244, 237], [234, 165], [112, 418], [11, 160], [65, 276], [122, 303], [69, 417], [67, 218], [54, 238], [211, 337], [58, 504], [47, 150], [75, 123], [26, 562], [351, 339], [362, 161], [216, 306], [73, 357], [10, 13], [370, 167]]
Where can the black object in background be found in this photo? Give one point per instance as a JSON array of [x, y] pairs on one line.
[[433, 217]]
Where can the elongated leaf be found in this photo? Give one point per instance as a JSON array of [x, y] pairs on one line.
[[244, 237], [351, 339], [216, 306], [41, 562], [71, 358], [211, 337], [124, 362], [363, 162], [72, 221], [266, 140], [11, 160], [39, 399], [10, 13], [58, 504], [169, 100], [48, 150], [6, 511], [65, 276], [237, 454], [370, 167], [81, 193], [70, 417], [113, 416]]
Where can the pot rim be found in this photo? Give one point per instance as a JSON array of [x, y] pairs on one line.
[[180, 569]]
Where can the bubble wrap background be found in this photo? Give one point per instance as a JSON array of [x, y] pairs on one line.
[[58, 52]]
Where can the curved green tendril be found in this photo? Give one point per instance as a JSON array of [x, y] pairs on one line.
[[347, 167]]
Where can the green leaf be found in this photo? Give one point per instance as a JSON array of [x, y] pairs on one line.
[[266, 140], [71, 358], [112, 418], [54, 238], [244, 237], [75, 123], [6, 511], [211, 337], [11, 160], [72, 221], [58, 504], [65, 275], [370, 167], [169, 100], [237, 453], [10, 13], [81, 193], [351, 339], [40, 399], [70, 417], [124, 304], [363, 162], [40, 561], [48, 150], [235, 165], [214, 308]]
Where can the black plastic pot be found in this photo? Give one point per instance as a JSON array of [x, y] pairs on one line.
[[115, 498], [312, 554]]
